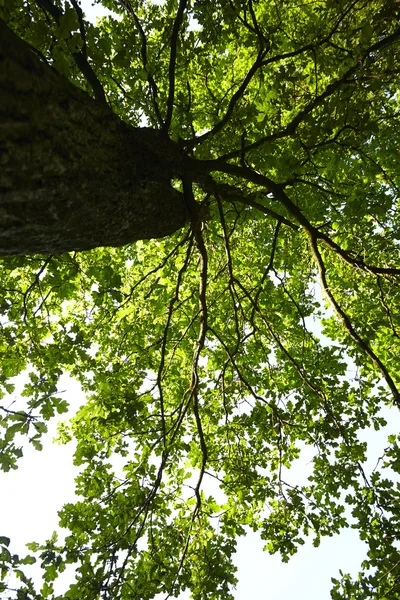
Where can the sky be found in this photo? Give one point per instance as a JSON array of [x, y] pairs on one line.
[[31, 496]]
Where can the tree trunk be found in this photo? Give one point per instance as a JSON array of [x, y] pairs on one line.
[[73, 176]]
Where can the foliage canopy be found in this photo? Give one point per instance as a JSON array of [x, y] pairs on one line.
[[198, 352]]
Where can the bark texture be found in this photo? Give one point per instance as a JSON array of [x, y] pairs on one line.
[[73, 176]]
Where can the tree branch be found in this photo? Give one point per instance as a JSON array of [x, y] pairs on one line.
[[150, 79], [232, 194], [318, 100], [232, 103], [171, 307], [82, 29], [172, 63], [79, 57], [347, 323], [277, 190]]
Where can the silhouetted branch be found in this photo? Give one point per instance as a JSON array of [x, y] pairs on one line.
[[79, 57], [150, 79], [172, 63], [347, 323], [346, 78]]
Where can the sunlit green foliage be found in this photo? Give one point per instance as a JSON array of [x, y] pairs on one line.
[[204, 373]]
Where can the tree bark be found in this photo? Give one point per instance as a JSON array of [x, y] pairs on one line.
[[73, 176]]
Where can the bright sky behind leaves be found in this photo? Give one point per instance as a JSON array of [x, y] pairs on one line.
[[31, 496]]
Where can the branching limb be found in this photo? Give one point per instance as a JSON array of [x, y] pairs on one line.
[[34, 283], [24, 415], [386, 307], [161, 365], [150, 79], [80, 57], [277, 190], [143, 511], [244, 380], [254, 27], [259, 63], [231, 285], [347, 323], [318, 100], [203, 309], [232, 103], [192, 393], [82, 29], [281, 346], [121, 87], [267, 271], [233, 194], [263, 40], [291, 127]]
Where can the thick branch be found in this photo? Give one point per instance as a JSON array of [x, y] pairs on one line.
[[348, 325], [230, 193], [277, 190], [172, 62], [79, 57]]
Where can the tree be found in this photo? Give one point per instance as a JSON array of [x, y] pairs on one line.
[[256, 145]]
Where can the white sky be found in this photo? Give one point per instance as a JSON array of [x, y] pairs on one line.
[[31, 496]]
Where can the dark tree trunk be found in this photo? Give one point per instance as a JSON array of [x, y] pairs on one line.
[[73, 176]]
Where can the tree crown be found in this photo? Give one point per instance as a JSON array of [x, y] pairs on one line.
[[197, 351]]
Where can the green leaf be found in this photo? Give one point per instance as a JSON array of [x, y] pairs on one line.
[[202, 200]]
